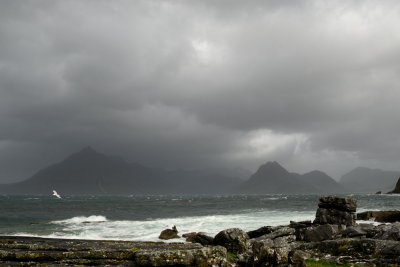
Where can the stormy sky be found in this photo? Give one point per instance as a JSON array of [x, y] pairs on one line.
[[201, 84]]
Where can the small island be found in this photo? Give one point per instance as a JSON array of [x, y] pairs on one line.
[[332, 239]]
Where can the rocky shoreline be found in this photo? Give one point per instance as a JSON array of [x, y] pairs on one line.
[[332, 238]]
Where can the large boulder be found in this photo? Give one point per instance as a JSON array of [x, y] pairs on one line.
[[235, 240], [201, 238], [388, 232], [273, 249], [169, 234], [321, 232], [336, 210]]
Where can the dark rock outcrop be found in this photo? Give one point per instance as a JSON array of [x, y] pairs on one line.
[[169, 233], [201, 238], [260, 231], [273, 249], [234, 240], [336, 210], [338, 203], [321, 232], [354, 231], [380, 216], [388, 232], [300, 228], [396, 190]]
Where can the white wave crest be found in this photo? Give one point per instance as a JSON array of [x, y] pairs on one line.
[[82, 219]]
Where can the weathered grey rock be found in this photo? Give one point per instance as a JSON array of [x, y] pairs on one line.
[[268, 252], [370, 229], [300, 228], [338, 203], [260, 231], [336, 210], [283, 241], [298, 257], [380, 216], [273, 249], [263, 252], [277, 232], [388, 248], [169, 233], [332, 216], [388, 232], [234, 240], [353, 231], [357, 248], [201, 238], [17, 251], [321, 232], [373, 251], [196, 257]]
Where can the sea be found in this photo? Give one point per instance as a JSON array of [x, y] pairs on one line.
[[142, 218]]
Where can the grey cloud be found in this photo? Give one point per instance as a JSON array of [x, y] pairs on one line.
[[200, 84]]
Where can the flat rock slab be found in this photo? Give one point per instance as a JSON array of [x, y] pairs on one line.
[[380, 216], [339, 203], [32, 251]]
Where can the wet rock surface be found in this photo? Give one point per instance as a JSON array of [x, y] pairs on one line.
[[169, 233], [380, 216]]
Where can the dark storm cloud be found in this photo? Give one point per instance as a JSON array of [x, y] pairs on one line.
[[200, 84]]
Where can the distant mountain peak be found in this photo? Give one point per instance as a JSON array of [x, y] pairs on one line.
[[316, 172], [85, 154], [88, 149], [272, 166]]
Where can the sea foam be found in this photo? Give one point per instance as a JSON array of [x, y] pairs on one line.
[[99, 227], [82, 219]]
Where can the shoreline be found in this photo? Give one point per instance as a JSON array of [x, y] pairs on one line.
[[333, 237]]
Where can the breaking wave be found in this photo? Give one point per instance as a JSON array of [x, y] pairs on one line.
[[100, 228]]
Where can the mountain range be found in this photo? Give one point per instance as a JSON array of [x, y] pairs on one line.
[[273, 178], [368, 180], [91, 172]]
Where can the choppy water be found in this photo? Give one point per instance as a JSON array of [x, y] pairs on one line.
[[144, 217]]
